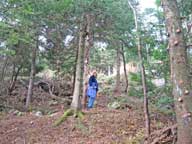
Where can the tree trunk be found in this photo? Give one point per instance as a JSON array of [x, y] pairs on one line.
[[14, 78], [57, 51], [32, 74], [179, 70], [118, 65], [76, 102], [88, 45], [146, 109], [109, 70], [76, 57], [125, 70], [4, 69]]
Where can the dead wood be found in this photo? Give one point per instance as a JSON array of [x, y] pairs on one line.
[[49, 87], [6, 106], [165, 135]]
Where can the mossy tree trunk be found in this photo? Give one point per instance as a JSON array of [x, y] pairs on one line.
[[76, 102], [179, 70]]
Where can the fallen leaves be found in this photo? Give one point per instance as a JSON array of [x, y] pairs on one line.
[[99, 126]]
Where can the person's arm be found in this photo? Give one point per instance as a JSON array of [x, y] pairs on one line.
[[90, 81]]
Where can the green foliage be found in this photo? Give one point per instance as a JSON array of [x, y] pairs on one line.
[[135, 77], [13, 39], [160, 53], [136, 85], [161, 97], [185, 7], [54, 20], [135, 92], [110, 81], [102, 57], [135, 88], [40, 67], [7, 52], [158, 2], [165, 100]]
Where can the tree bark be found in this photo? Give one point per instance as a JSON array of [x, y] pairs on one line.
[[109, 70], [32, 74], [180, 76], [76, 57], [146, 109], [88, 45], [118, 65], [14, 78], [125, 70], [139, 47], [76, 102], [4, 69], [58, 50]]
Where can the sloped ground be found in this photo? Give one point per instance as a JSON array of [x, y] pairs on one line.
[[100, 125]]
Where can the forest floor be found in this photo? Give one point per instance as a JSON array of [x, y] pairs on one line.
[[100, 125]]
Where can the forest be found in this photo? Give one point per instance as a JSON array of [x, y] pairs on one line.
[[95, 72]]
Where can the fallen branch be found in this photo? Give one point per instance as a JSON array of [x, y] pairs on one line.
[[50, 90], [160, 135], [156, 140], [6, 106]]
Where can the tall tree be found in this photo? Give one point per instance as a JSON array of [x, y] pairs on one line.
[[118, 65], [32, 73], [76, 102], [88, 44], [139, 48], [179, 71], [125, 69]]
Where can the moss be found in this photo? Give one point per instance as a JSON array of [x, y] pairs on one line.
[[69, 112], [80, 114], [66, 114]]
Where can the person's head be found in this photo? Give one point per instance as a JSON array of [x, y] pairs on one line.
[[94, 73]]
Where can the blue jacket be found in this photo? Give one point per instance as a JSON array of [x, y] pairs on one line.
[[93, 82]]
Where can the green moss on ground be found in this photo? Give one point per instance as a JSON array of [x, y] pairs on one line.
[[68, 113]]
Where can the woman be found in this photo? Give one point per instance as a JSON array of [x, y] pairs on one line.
[[92, 89]]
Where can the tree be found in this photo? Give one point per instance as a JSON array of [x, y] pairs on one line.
[[88, 44], [32, 73], [79, 72], [179, 71], [118, 65], [76, 102], [139, 48], [125, 69], [20, 28]]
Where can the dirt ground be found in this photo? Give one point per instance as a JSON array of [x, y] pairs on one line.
[[100, 125]]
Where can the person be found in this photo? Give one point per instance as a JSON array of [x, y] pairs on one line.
[[92, 89]]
